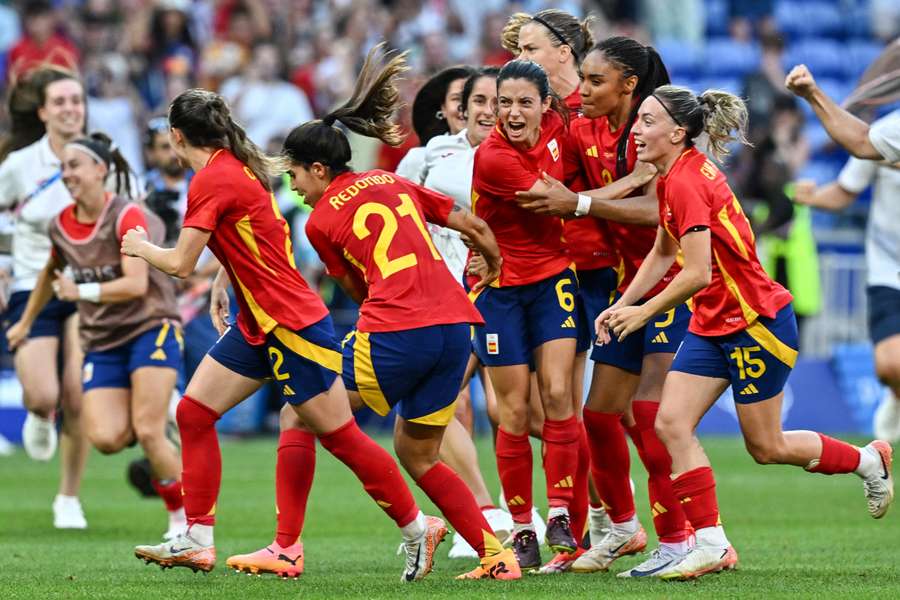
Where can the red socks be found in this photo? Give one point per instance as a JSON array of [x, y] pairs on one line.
[[697, 491], [610, 463], [456, 502], [170, 493], [514, 464], [294, 472], [837, 457], [578, 508], [375, 468], [560, 459], [668, 516], [201, 460]]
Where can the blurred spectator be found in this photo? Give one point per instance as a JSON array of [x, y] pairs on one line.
[[763, 87], [41, 42], [236, 26], [168, 50], [681, 20], [885, 19], [492, 53], [751, 16], [112, 103], [263, 102], [167, 179]]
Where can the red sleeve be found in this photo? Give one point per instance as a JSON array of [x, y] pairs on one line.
[[435, 205], [334, 260], [500, 172], [130, 218], [204, 206], [689, 202], [574, 174]]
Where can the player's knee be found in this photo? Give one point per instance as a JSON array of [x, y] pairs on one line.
[[415, 460], [149, 436], [556, 397], [667, 427], [41, 401], [109, 442], [765, 452]]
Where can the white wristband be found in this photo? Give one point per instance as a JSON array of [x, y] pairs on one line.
[[89, 292], [584, 205]]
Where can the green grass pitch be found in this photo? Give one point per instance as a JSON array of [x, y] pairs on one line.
[[798, 535]]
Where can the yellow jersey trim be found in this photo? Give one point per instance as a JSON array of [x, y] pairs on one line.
[[245, 230], [265, 322], [725, 220], [328, 358]]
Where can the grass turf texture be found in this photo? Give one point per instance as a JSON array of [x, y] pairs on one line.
[[797, 534]]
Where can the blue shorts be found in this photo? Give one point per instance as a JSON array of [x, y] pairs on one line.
[[303, 363], [157, 347], [884, 312], [421, 370], [662, 334], [756, 360], [49, 322], [520, 318], [596, 291]]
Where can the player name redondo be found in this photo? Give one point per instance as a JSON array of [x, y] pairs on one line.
[[345, 195]]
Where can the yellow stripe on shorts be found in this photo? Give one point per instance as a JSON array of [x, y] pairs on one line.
[[330, 359], [772, 344], [364, 373], [439, 418]]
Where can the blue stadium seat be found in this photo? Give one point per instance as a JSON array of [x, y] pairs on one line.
[[817, 136], [790, 16], [729, 84], [716, 17], [682, 60], [859, 55], [820, 171], [726, 57], [824, 57], [824, 19]]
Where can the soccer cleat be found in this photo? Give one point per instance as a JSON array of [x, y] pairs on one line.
[[183, 551], [527, 550], [460, 548], [39, 437], [67, 513], [879, 487], [499, 566], [561, 562], [699, 561], [559, 536], [611, 547], [887, 418], [660, 558], [420, 552], [501, 522], [284, 562]]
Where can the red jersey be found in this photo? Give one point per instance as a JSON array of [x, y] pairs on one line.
[[695, 193], [129, 218], [373, 223], [573, 102], [532, 245], [597, 148], [253, 242]]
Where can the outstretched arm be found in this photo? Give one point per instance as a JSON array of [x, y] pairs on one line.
[[179, 261]]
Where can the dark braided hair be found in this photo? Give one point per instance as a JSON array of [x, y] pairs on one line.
[[101, 146]]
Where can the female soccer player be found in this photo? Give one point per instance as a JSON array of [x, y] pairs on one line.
[[530, 312], [742, 332], [128, 320], [31, 186], [283, 331], [413, 338]]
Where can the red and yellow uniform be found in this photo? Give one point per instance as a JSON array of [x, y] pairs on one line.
[[743, 327]]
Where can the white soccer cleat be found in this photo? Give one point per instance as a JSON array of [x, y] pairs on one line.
[[699, 561], [460, 548], [886, 423], [879, 486], [67, 513], [420, 552], [501, 522], [39, 437], [611, 547], [660, 558], [182, 551]]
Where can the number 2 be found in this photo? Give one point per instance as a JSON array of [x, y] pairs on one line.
[[277, 360], [389, 266]]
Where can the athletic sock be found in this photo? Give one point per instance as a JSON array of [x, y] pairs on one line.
[[578, 508], [696, 489], [415, 528], [560, 459], [597, 518], [455, 500], [201, 460], [668, 516], [170, 492], [294, 470], [517, 527], [514, 465], [202, 534], [628, 527], [557, 511], [869, 464], [610, 463], [837, 457], [375, 468]]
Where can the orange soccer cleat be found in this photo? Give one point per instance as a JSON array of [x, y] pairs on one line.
[[275, 559], [502, 565]]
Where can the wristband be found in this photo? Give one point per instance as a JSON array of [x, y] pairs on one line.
[[584, 205], [89, 292]]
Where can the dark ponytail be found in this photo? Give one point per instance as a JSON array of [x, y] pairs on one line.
[[101, 148], [633, 59], [533, 72], [203, 117], [368, 112]]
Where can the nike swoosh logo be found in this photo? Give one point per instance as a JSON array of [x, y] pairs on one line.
[[637, 573], [883, 467], [175, 550], [412, 576]]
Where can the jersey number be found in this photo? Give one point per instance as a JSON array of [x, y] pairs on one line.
[[277, 360], [746, 364], [389, 266], [566, 299]]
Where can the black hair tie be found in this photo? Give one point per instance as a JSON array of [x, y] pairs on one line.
[[555, 32]]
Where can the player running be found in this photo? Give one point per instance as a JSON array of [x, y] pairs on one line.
[[283, 331], [742, 333], [530, 313], [128, 319], [413, 338]]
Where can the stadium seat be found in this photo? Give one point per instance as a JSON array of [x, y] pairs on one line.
[[728, 84], [824, 57], [682, 60], [859, 55], [716, 17], [728, 58], [820, 171]]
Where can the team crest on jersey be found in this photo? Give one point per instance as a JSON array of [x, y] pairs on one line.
[[493, 343], [553, 147]]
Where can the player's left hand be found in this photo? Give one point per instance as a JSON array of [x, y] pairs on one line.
[[132, 241], [489, 271], [64, 288], [626, 320], [556, 199]]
